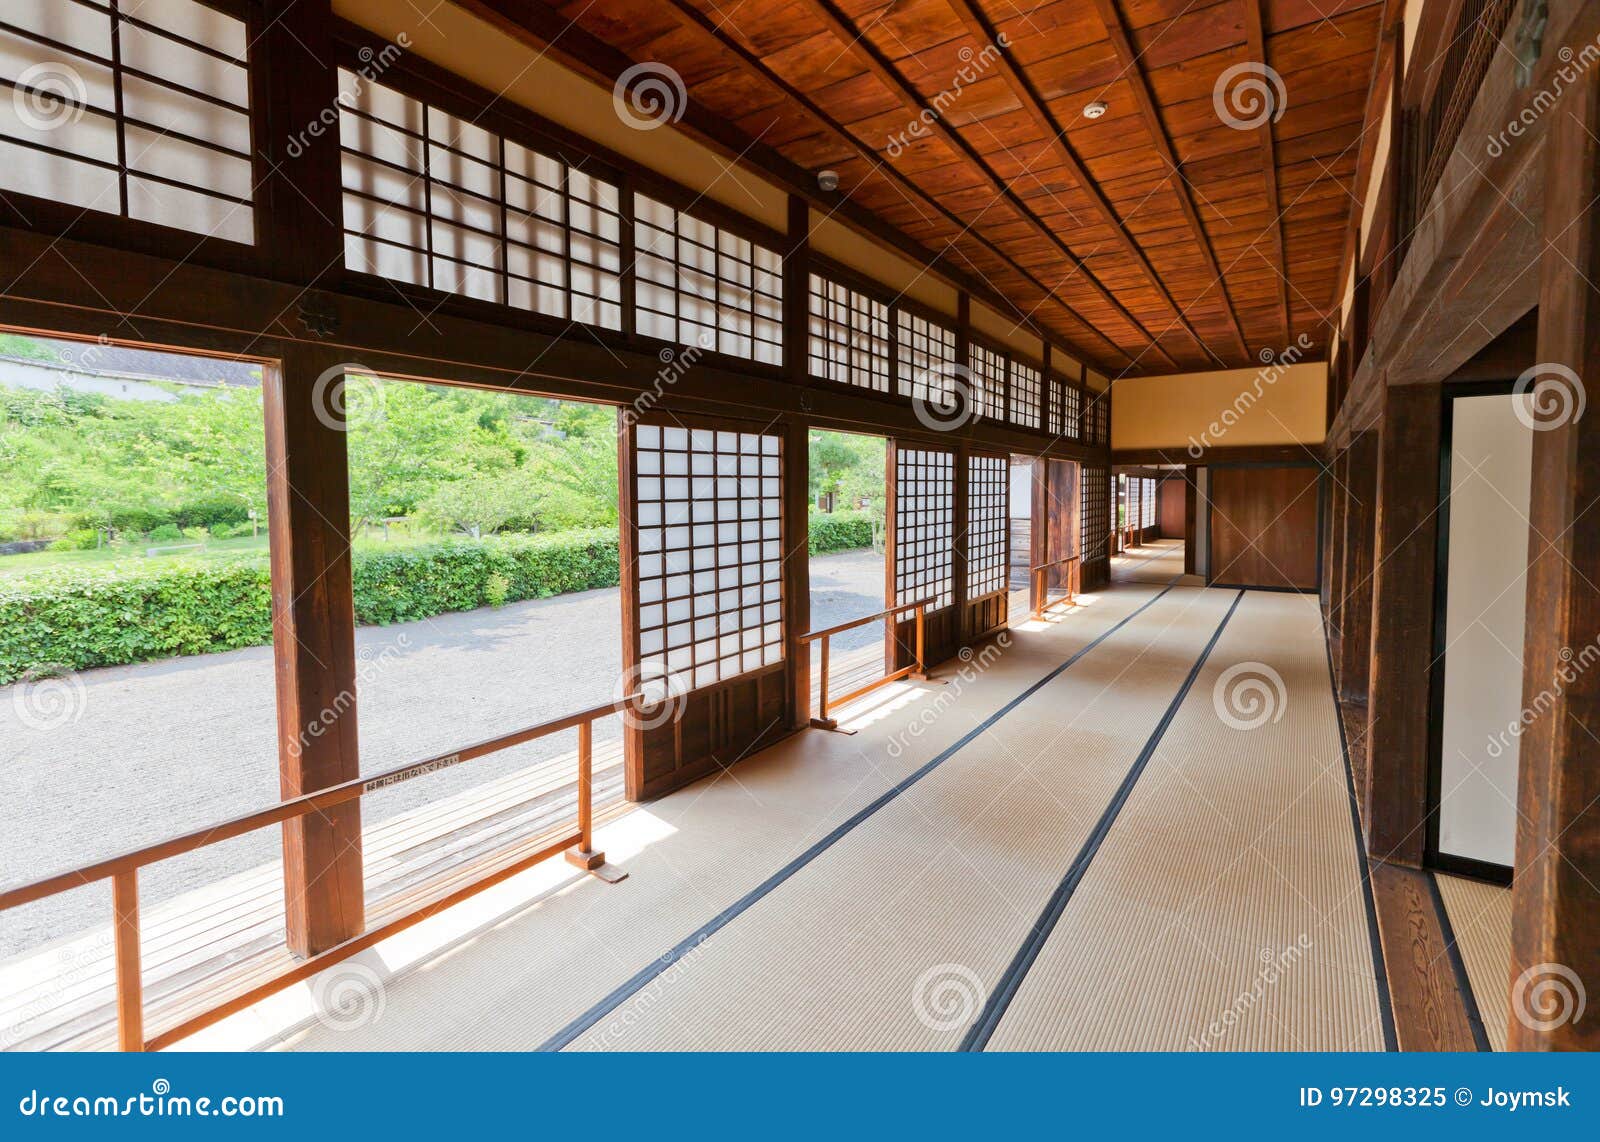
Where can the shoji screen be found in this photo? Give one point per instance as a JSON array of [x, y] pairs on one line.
[[986, 542], [922, 536], [703, 592]]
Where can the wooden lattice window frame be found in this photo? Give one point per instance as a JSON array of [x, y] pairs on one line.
[[924, 526], [988, 368], [988, 525], [1027, 393], [114, 114], [925, 356], [848, 338], [699, 283], [475, 214], [1093, 512], [1066, 410], [708, 553]]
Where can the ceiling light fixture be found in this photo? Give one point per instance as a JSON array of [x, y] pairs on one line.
[[1095, 109], [828, 180]]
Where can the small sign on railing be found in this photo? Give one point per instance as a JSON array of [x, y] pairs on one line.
[[421, 769]]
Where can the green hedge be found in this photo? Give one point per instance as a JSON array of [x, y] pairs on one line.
[[839, 531], [135, 612]]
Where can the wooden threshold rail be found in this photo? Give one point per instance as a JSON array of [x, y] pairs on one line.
[[123, 871], [914, 670]]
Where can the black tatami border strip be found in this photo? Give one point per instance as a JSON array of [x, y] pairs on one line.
[[1374, 937], [999, 1001], [1458, 967], [656, 967]]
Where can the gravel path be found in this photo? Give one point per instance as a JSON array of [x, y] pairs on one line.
[[160, 748]]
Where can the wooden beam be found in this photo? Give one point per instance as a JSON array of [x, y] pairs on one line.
[[1402, 637], [1255, 38], [539, 26], [313, 621], [1139, 84], [856, 42], [1034, 105], [1556, 904], [1355, 550]]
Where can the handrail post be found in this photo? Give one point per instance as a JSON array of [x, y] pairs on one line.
[[920, 673], [130, 984], [822, 720], [584, 856]]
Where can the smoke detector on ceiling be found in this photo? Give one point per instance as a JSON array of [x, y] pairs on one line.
[[1095, 110], [828, 180]]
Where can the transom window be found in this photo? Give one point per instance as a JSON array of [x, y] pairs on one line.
[[988, 382], [435, 201], [1025, 389], [926, 357], [143, 113], [849, 336], [1066, 406], [702, 285]]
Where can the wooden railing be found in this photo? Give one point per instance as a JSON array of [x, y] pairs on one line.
[[123, 872], [1041, 583], [914, 670]]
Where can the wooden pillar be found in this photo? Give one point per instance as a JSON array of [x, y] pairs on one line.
[[313, 619], [1191, 516], [1336, 510], [1402, 617], [295, 80], [1355, 646], [1044, 522], [796, 472], [1555, 903]]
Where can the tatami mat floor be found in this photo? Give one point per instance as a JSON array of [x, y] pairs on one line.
[[874, 891], [1156, 561], [1480, 916]]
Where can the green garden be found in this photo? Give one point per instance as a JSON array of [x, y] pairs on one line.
[[133, 530]]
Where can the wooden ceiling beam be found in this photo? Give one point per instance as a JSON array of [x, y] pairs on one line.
[[537, 24], [1139, 84], [855, 41], [696, 21], [1255, 38], [1033, 103]]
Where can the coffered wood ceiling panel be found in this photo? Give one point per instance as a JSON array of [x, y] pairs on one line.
[[1186, 229]]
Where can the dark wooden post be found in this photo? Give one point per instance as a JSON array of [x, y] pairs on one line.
[[1336, 510], [796, 473], [1397, 707], [1555, 904], [294, 70], [1355, 638], [313, 619], [1191, 517]]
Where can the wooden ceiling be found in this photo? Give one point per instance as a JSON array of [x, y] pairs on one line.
[[1150, 240]]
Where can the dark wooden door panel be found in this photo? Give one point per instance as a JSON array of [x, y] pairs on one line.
[[1264, 526]]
